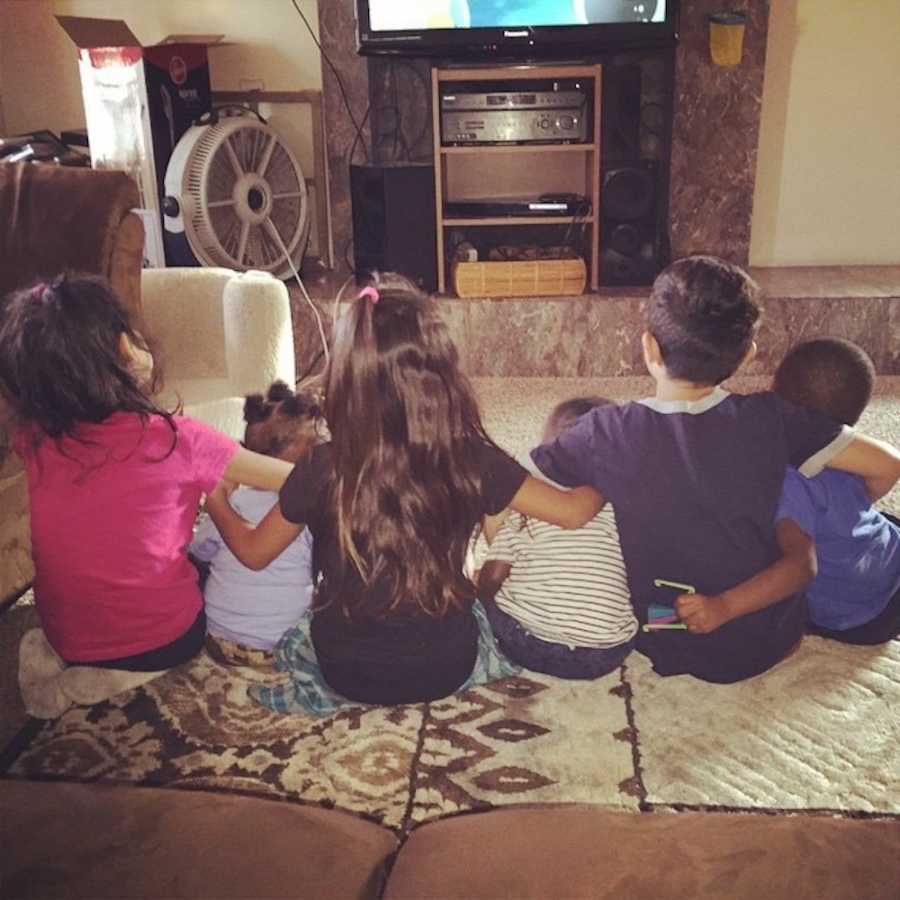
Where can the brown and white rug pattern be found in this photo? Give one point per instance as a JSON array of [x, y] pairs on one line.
[[819, 732], [521, 740]]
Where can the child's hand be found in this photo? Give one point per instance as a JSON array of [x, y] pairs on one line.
[[700, 613]]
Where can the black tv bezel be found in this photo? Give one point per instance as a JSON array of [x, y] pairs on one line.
[[540, 42]]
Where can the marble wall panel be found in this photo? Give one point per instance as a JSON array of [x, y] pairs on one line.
[[455, 314], [788, 321], [337, 34], [715, 135], [586, 337], [572, 336], [892, 359]]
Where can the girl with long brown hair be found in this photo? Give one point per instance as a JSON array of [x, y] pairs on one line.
[[392, 501]]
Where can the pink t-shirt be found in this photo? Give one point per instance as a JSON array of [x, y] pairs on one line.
[[111, 516]]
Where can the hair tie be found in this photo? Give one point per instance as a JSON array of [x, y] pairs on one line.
[[37, 292], [369, 292]]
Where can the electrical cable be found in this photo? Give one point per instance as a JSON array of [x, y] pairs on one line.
[[424, 106], [274, 232], [359, 138]]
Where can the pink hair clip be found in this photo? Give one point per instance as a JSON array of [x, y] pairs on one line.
[[369, 292]]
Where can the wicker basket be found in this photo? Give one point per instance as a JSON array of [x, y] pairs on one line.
[[528, 278]]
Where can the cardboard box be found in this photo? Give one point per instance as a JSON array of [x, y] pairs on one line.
[[138, 102]]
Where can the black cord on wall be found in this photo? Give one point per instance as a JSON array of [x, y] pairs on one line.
[[359, 139]]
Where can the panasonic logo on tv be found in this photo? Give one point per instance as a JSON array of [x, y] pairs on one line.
[[515, 34]]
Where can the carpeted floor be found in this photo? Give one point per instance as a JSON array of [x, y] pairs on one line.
[[818, 733]]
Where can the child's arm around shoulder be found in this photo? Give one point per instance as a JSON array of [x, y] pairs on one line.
[[876, 462], [256, 546], [501, 555], [568, 509]]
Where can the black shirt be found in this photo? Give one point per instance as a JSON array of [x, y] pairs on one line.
[[405, 656]]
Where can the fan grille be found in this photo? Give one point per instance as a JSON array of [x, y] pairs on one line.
[[247, 205]]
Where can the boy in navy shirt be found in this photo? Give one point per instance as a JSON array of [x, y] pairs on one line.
[[695, 474]]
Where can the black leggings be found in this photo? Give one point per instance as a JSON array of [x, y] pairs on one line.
[[173, 654], [884, 627]]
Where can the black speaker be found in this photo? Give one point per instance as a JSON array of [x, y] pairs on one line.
[[633, 245], [394, 220], [620, 127]]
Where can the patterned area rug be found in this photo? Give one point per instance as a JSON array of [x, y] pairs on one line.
[[523, 739], [818, 733]]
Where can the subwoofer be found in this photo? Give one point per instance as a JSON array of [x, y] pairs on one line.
[[394, 221], [632, 236]]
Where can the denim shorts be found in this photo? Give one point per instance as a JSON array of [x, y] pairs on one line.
[[559, 660]]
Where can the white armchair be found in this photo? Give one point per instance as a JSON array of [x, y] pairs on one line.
[[219, 335]]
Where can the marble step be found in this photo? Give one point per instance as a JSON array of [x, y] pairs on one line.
[[596, 335]]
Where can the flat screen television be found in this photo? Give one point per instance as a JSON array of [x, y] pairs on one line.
[[513, 29]]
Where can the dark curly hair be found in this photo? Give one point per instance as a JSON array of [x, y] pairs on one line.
[[830, 375], [281, 423], [703, 314]]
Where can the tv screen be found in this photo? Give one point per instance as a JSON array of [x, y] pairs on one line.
[[513, 28]]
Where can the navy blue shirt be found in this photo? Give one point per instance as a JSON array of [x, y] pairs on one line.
[[695, 486]]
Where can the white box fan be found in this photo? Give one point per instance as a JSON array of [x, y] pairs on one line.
[[235, 197]]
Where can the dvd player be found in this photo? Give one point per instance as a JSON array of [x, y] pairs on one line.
[[517, 206]]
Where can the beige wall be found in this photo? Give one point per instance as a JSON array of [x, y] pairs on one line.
[[828, 180], [271, 43], [272, 50]]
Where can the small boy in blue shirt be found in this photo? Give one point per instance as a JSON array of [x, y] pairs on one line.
[[695, 474], [855, 597]]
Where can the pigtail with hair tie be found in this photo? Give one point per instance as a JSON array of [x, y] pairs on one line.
[[371, 293], [279, 391], [255, 409]]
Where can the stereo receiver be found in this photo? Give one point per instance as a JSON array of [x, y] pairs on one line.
[[553, 112]]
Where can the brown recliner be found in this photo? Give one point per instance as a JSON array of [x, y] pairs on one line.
[[54, 218]]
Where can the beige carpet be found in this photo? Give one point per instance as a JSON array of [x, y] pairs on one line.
[[819, 732]]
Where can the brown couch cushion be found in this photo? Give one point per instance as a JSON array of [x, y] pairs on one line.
[[575, 852], [84, 840], [54, 218]]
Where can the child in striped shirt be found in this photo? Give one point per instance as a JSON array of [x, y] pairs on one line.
[[558, 599]]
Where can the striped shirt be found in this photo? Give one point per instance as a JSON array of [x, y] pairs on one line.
[[566, 586]]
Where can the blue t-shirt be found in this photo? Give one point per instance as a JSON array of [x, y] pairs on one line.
[[857, 547], [695, 486]]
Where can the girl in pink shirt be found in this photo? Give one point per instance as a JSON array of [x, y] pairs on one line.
[[114, 485]]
